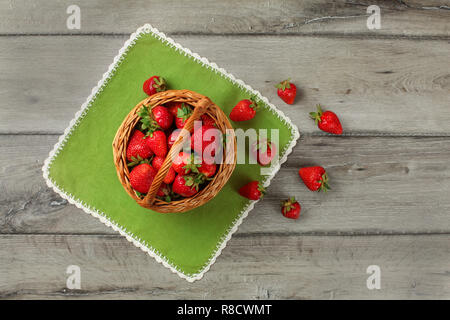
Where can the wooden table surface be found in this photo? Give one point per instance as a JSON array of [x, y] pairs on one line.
[[390, 171]]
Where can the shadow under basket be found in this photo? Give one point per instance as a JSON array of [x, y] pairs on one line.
[[201, 105]]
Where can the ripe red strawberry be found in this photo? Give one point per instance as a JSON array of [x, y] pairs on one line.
[[163, 190], [183, 113], [315, 178], [156, 139], [163, 117], [172, 138], [287, 91], [157, 164], [263, 151], [170, 176], [252, 190], [207, 120], [183, 163], [157, 142], [291, 208], [153, 85], [137, 147], [173, 107], [327, 121], [141, 177], [185, 186], [208, 170], [244, 110], [199, 138]]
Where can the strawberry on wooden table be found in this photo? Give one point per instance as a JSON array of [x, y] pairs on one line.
[[137, 147], [290, 208], [287, 91], [315, 178], [141, 177], [186, 185], [252, 190], [244, 110], [162, 117], [153, 85], [263, 150], [327, 121]]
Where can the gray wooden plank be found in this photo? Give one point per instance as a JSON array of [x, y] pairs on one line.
[[254, 267], [380, 185], [393, 86], [408, 18]]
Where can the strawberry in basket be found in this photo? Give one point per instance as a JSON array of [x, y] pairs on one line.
[[156, 138], [137, 148]]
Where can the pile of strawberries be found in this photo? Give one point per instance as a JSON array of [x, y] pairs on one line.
[[154, 136], [158, 131]]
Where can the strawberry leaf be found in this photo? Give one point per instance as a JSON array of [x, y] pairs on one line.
[[139, 194], [324, 186], [184, 112], [255, 103], [159, 84], [283, 85], [317, 116], [147, 121]]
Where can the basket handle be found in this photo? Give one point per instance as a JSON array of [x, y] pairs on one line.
[[200, 108]]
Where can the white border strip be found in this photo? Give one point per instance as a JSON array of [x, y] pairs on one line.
[[123, 231]]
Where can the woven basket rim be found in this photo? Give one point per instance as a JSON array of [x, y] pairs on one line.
[[201, 104]]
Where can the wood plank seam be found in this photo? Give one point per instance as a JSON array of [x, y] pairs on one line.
[[357, 36]]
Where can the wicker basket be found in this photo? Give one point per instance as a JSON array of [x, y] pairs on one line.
[[201, 105]]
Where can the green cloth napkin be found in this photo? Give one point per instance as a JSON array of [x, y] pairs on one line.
[[80, 167]]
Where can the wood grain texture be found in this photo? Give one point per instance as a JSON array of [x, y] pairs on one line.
[[293, 267], [389, 201], [379, 185], [390, 86], [399, 18]]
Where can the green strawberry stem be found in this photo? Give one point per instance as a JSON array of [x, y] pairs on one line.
[[284, 84], [191, 165], [317, 115], [160, 84], [147, 121], [288, 205], [138, 160], [261, 189], [184, 112], [193, 181], [324, 183], [254, 105], [139, 194]]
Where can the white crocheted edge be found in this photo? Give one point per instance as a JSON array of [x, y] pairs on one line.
[[123, 231]]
